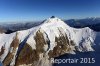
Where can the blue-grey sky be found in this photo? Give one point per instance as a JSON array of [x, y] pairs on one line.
[[35, 10]]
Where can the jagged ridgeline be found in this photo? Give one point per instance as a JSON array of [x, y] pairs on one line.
[[37, 45]]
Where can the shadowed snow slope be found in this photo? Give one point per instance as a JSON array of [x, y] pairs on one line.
[[50, 39]]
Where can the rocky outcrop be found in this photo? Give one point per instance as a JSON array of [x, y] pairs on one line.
[[12, 52]]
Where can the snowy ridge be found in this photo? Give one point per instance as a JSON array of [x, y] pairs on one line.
[[51, 28]]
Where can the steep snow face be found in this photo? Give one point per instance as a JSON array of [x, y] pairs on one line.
[[84, 33], [84, 38]]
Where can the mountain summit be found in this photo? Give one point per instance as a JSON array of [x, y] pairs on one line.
[[36, 46], [53, 19], [52, 16]]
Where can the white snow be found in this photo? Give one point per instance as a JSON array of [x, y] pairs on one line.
[[13, 60], [31, 42]]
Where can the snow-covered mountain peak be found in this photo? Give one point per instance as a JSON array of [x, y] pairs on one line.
[[54, 22], [53, 19], [55, 25], [45, 41]]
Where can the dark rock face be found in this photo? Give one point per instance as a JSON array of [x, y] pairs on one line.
[[61, 48], [52, 16], [26, 56], [2, 50], [40, 42], [10, 56]]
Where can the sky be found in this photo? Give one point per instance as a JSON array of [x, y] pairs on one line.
[[36, 10]]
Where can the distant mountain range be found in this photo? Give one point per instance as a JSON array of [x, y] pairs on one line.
[[93, 23], [12, 27]]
